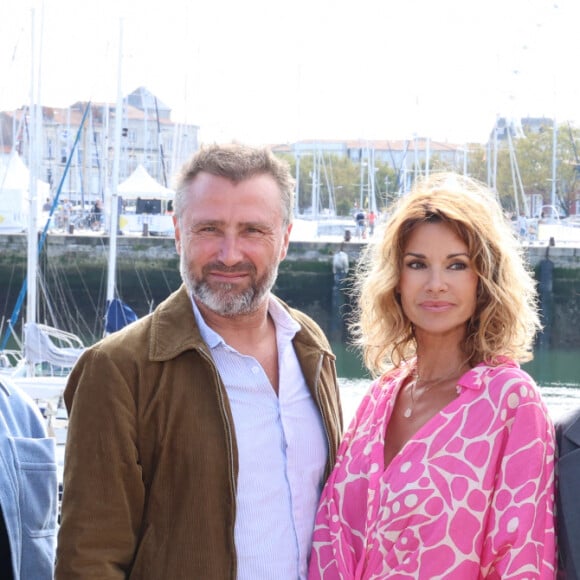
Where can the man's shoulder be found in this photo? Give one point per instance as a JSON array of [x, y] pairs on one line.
[[567, 429], [568, 419]]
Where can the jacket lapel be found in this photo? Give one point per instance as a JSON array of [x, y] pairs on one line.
[[572, 434], [569, 483]]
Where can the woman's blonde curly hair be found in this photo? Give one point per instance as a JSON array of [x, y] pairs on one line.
[[506, 318]]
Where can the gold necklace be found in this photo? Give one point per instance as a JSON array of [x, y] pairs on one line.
[[408, 412]]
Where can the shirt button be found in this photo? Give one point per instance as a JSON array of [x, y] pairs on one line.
[[255, 370]]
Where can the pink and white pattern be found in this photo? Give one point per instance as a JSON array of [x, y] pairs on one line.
[[471, 495]]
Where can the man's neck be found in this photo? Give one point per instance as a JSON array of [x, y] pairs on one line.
[[240, 329]]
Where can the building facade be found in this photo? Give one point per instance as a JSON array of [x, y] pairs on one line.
[[148, 137]]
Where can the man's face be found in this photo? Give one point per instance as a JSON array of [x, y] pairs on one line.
[[231, 239]]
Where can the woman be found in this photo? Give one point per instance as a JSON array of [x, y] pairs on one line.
[[28, 489], [447, 469]]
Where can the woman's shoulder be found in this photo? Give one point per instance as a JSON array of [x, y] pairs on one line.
[[503, 370], [510, 388]]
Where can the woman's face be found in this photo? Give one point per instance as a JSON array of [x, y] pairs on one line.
[[438, 285]]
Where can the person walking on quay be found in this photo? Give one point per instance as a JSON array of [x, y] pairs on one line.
[[447, 469], [568, 498], [360, 220], [200, 436], [28, 489], [372, 219]]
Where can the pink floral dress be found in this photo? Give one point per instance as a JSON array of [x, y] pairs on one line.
[[471, 494]]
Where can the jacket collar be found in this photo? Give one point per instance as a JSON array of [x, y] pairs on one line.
[[174, 329], [572, 432]]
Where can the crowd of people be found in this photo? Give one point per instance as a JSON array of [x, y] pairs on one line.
[[206, 439], [364, 222], [68, 217]]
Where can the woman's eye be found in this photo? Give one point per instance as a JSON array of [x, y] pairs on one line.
[[458, 266]]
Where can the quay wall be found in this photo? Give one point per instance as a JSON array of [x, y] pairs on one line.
[[74, 271]]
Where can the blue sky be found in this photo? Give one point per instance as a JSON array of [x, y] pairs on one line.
[[266, 71]]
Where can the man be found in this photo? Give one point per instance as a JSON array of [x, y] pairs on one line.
[[65, 214], [522, 226], [568, 499], [340, 265], [360, 218], [200, 436]]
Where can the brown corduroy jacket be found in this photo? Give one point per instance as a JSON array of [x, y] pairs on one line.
[[151, 461]]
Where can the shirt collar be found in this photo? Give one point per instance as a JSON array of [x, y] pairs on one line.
[[473, 378], [286, 326]]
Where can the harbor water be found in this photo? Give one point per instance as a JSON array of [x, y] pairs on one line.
[[557, 373]]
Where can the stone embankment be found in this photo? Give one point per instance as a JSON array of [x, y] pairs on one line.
[[148, 270]]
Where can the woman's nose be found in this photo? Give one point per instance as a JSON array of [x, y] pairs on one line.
[[436, 281]]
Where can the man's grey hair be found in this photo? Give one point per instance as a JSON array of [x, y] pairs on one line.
[[236, 162]]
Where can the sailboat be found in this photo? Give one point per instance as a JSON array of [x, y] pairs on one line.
[[48, 354]]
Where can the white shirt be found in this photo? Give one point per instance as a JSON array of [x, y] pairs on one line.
[[340, 262], [282, 451]]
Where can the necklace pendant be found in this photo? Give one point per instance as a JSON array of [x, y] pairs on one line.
[[407, 413]]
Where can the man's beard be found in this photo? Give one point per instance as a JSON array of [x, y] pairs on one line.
[[224, 298]]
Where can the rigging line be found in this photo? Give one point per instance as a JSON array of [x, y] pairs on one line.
[[160, 144], [97, 155], [23, 290], [46, 280], [166, 280], [87, 289], [70, 311], [65, 298], [49, 316], [146, 291], [8, 290], [77, 298], [99, 321], [516, 175]]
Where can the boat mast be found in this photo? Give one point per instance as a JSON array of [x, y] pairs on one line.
[[33, 164], [115, 178], [554, 166], [297, 198]]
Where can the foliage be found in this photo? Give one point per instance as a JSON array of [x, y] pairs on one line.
[[532, 157], [345, 184], [340, 182]]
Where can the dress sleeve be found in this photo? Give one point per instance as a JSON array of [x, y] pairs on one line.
[[520, 538], [103, 492], [331, 557]]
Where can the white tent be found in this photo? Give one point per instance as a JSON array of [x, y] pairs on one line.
[[14, 194], [141, 185]]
